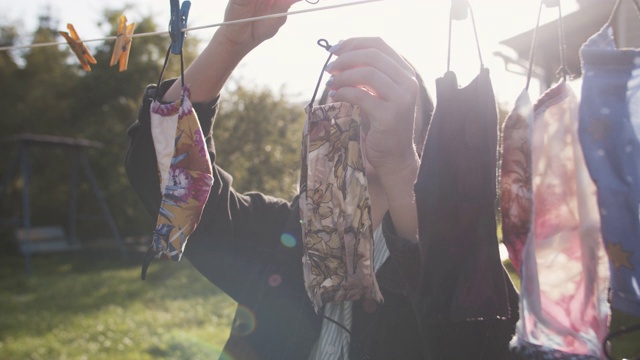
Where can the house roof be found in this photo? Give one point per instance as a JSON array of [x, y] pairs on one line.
[[578, 27]]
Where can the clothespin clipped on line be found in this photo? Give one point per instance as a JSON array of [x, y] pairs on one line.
[[78, 47], [123, 43], [459, 9], [179, 16]]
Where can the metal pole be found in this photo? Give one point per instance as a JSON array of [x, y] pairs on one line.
[[11, 170], [102, 202], [73, 206], [26, 205]]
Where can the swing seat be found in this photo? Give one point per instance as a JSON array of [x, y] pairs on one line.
[[44, 239]]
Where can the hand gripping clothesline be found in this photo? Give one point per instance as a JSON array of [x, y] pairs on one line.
[[297, 12]]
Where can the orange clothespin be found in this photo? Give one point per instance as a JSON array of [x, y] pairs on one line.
[[78, 47], [123, 43]]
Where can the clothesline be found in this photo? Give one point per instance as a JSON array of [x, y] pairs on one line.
[[271, 16]]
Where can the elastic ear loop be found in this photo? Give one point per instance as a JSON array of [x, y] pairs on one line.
[[324, 44], [164, 66], [563, 71], [616, 7], [614, 12], [532, 51], [475, 32]]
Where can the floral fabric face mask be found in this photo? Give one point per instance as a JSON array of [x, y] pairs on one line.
[[185, 175], [335, 209]]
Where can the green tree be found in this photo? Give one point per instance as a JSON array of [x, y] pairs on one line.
[[9, 95], [257, 132], [50, 94], [106, 105], [8, 66], [38, 93], [47, 83], [258, 135]]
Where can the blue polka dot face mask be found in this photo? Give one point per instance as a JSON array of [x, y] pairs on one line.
[[609, 132]]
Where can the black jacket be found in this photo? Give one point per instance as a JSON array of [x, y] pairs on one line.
[[238, 247]]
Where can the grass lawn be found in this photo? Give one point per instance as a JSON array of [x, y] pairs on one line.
[[89, 306]]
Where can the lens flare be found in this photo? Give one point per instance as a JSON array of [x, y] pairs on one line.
[[275, 280], [225, 356], [288, 240], [245, 321]]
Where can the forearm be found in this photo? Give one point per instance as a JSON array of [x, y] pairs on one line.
[[210, 70], [404, 253], [398, 187]]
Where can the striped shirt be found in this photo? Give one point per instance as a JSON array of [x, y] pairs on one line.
[[333, 343]]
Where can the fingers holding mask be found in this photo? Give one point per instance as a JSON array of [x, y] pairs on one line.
[[253, 33], [370, 74], [369, 43], [369, 66]]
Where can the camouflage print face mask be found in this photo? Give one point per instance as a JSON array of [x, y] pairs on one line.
[[185, 174], [335, 208]]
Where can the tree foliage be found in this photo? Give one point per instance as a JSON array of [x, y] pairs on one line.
[[258, 135], [45, 91]]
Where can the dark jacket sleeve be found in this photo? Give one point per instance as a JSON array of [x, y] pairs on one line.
[[238, 233], [403, 253]]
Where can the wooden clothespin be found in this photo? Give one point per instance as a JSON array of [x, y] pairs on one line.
[[123, 43], [179, 16], [78, 47]]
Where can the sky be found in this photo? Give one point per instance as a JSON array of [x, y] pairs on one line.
[[291, 62]]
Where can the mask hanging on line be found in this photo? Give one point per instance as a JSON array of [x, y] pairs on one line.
[[184, 167], [335, 208], [461, 277], [551, 228], [610, 136], [185, 175]]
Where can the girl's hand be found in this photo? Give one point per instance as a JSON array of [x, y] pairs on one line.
[[248, 35], [372, 75], [230, 44]]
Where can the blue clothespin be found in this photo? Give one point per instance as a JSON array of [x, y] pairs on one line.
[[178, 22]]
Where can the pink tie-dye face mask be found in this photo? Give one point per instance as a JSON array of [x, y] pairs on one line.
[[185, 174]]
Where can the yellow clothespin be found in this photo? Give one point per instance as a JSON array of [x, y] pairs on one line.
[[123, 43], [78, 47]]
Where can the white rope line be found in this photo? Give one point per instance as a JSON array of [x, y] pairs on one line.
[[271, 16]]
